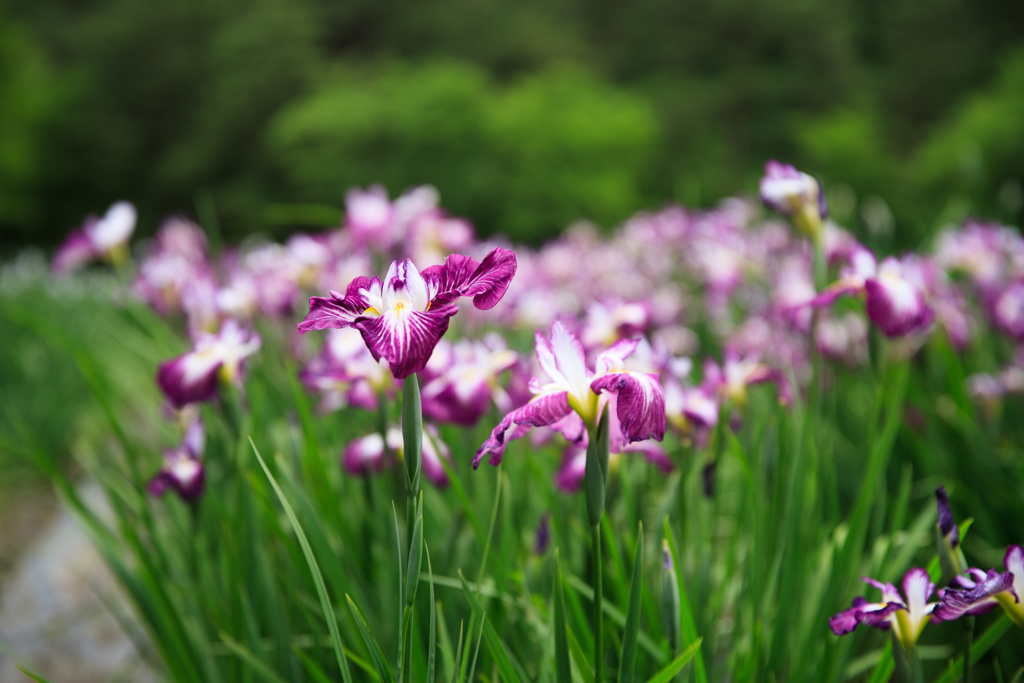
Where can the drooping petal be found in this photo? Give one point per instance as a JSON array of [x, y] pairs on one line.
[[338, 311], [543, 410], [460, 275], [189, 378], [955, 603], [640, 403], [405, 338], [862, 612]]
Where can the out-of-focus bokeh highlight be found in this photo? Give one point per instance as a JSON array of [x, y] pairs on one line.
[[257, 115]]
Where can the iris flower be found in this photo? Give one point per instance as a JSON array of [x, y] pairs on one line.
[[192, 377], [574, 395], [183, 470], [105, 237], [795, 194], [402, 318], [977, 591]]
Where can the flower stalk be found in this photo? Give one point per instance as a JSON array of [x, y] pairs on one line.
[[412, 436], [596, 483]]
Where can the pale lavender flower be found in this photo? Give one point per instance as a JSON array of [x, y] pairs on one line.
[[791, 192]]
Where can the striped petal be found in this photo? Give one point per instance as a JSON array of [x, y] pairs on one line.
[[955, 603], [486, 281], [340, 310], [543, 410], [405, 338], [895, 304], [640, 403]]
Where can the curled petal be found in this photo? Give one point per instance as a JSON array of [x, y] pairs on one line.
[[640, 403], [543, 410], [460, 275], [189, 378], [863, 612], [405, 338], [955, 603], [339, 310]]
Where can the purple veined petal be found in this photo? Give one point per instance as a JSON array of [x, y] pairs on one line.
[[543, 410], [572, 471], [73, 253], [404, 285], [862, 612], [405, 338], [189, 378], [896, 305], [955, 603], [640, 403], [339, 310], [460, 275], [947, 525], [364, 455]]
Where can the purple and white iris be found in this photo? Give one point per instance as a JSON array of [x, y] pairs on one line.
[[788, 190], [894, 301], [572, 398], [369, 454], [105, 237], [193, 376], [906, 617], [183, 470], [402, 318], [978, 592]]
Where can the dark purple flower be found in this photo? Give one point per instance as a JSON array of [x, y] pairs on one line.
[[975, 594], [543, 537], [403, 317]]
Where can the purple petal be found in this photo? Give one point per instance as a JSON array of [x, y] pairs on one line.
[[572, 470], [338, 310], [640, 403], [460, 275], [443, 402], [541, 411], [615, 355], [76, 250], [978, 600], [189, 378], [895, 304], [364, 455], [405, 337], [947, 525], [862, 612]]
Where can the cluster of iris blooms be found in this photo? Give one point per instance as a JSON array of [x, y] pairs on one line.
[[614, 371]]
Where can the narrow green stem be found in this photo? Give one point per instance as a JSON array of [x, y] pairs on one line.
[[595, 534], [412, 436], [969, 637]]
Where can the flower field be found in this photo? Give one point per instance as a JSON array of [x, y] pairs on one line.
[[394, 451]]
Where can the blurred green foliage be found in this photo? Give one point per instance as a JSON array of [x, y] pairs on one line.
[[525, 115]]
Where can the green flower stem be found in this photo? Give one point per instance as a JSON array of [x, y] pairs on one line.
[[969, 643], [596, 483], [412, 436], [595, 535]]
